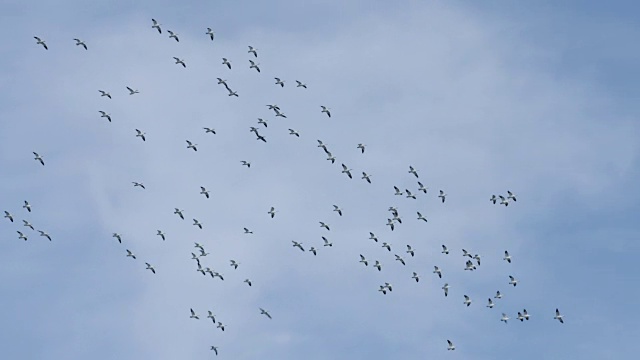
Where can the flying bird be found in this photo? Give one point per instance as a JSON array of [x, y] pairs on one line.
[[193, 315], [272, 212], [361, 147], [247, 281], [149, 267], [490, 304], [346, 170], [135, 183], [204, 192], [246, 163], [503, 201], [450, 346], [372, 237], [161, 234], [409, 194], [386, 246], [226, 62], [130, 254], [415, 276], [498, 295], [38, 158], [446, 289], [214, 348], [504, 318], [313, 251], [156, 25], [558, 316], [173, 35], [442, 195], [8, 216], [300, 84], [80, 43], [179, 213], [141, 135], [467, 300], [511, 196], [507, 257], [326, 242], [378, 265], [326, 226], [191, 145], [279, 82], [209, 130], [337, 209], [234, 264], [420, 217], [254, 66], [105, 115], [197, 223], [264, 122], [132, 91], [513, 281], [326, 110], [298, 245], [233, 93], [27, 206], [413, 171], [247, 231], [41, 42], [445, 250], [437, 271], [27, 224], [493, 199], [293, 132], [104, 93], [366, 176], [398, 191], [399, 258], [117, 236], [21, 236], [180, 62], [210, 33], [410, 251], [42, 233], [220, 326], [253, 51], [363, 260], [422, 187]]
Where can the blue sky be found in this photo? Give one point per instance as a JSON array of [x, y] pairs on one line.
[[480, 98]]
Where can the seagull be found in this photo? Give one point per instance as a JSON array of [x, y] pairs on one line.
[[226, 62], [507, 257], [105, 115], [298, 245], [422, 187], [409, 194], [476, 257], [263, 122], [498, 295], [246, 163], [293, 132], [326, 110], [511, 196], [180, 62], [21, 236], [346, 170], [252, 50], [504, 318], [161, 234], [141, 135], [27, 206], [445, 250], [214, 348], [377, 265], [149, 267], [210, 33], [503, 201], [173, 35], [437, 271], [204, 192], [363, 260], [104, 93], [80, 42], [410, 251], [337, 209], [38, 158], [399, 258], [209, 130], [420, 217], [117, 236], [197, 223], [558, 316], [191, 145], [326, 242], [467, 300], [179, 213], [300, 84], [130, 254], [234, 264], [451, 346], [442, 195], [132, 91], [361, 147], [233, 93], [156, 25], [513, 281], [386, 245], [493, 199], [415, 276], [254, 66], [490, 304], [279, 82], [373, 237], [313, 250], [413, 171], [220, 326], [8, 216], [398, 192], [326, 226], [41, 42], [28, 224], [42, 233], [265, 313], [272, 212], [247, 281], [193, 315], [367, 177], [247, 231], [135, 183], [525, 314]]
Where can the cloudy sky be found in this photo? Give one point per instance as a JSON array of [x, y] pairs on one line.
[[538, 99]]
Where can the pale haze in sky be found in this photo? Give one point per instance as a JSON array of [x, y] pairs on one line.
[[479, 97]]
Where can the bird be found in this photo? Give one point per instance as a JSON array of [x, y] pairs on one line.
[[513, 281], [38, 158], [313, 251], [504, 318], [493, 199], [422, 187], [42, 233], [323, 146], [409, 194], [199, 246], [525, 314], [520, 317], [135, 183], [233, 93], [273, 107], [558, 316], [470, 266], [197, 223], [264, 122], [223, 82], [254, 66], [410, 251], [253, 51], [104, 93], [445, 250], [490, 304], [161, 234], [503, 201], [363, 260], [220, 326], [130, 254], [209, 130], [191, 145], [80, 43], [246, 163], [149, 267], [442, 195], [507, 257], [300, 84], [234, 264], [465, 253], [41, 42], [498, 295], [27, 224], [450, 346], [8, 215], [326, 242], [210, 33], [272, 212], [156, 25], [179, 213], [366, 176], [396, 218], [193, 315], [415, 276], [173, 35], [247, 281], [388, 286], [132, 91], [372, 237], [204, 192], [398, 191], [214, 348], [326, 110], [413, 171], [226, 62], [436, 270], [331, 158], [346, 170], [399, 258], [476, 257], [280, 114], [141, 135], [390, 224], [27, 206], [383, 290], [511, 196], [293, 132], [420, 217], [247, 231], [105, 115], [21, 236], [361, 147], [298, 245], [378, 265], [326, 226], [279, 82], [386, 246], [180, 62], [467, 300], [117, 236], [337, 209]]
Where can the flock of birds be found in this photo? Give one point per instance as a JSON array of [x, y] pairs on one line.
[[393, 220]]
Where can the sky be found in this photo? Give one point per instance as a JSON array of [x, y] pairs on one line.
[[479, 97]]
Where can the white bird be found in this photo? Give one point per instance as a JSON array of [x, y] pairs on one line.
[[273, 107], [137, 184], [470, 266], [104, 93], [265, 313], [398, 192], [397, 218], [493, 199], [27, 206], [272, 212], [507, 257], [80, 43], [234, 264], [21, 236], [209, 130], [383, 290], [130, 254], [199, 246], [363, 260], [415, 276], [193, 315], [504, 318], [450, 346], [361, 147], [388, 286], [558, 316], [38, 158], [41, 42], [399, 258], [141, 135], [513, 281], [525, 314], [220, 326], [117, 236], [280, 114], [27, 224], [179, 213], [298, 245], [386, 246], [503, 201], [346, 170], [173, 35], [409, 194], [215, 274], [366, 176], [246, 163], [191, 145], [331, 158], [465, 253], [42, 233], [520, 317], [300, 84], [254, 65], [132, 91], [253, 51], [390, 224], [180, 62], [445, 250], [498, 295], [279, 82], [210, 33], [337, 209], [8, 216], [420, 217], [226, 62], [233, 93], [322, 224], [247, 231], [293, 132], [422, 187], [105, 115], [149, 267], [436, 270], [313, 250], [247, 281], [326, 242], [197, 223], [263, 122], [490, 304], [467, 300], [476, 257], [326, 110], [372, 237], [156, 25], [204, 192], [410, 251], [215, 349], [511, 196], [161, 234], [442, 195], [413, 171], [378, 265]]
